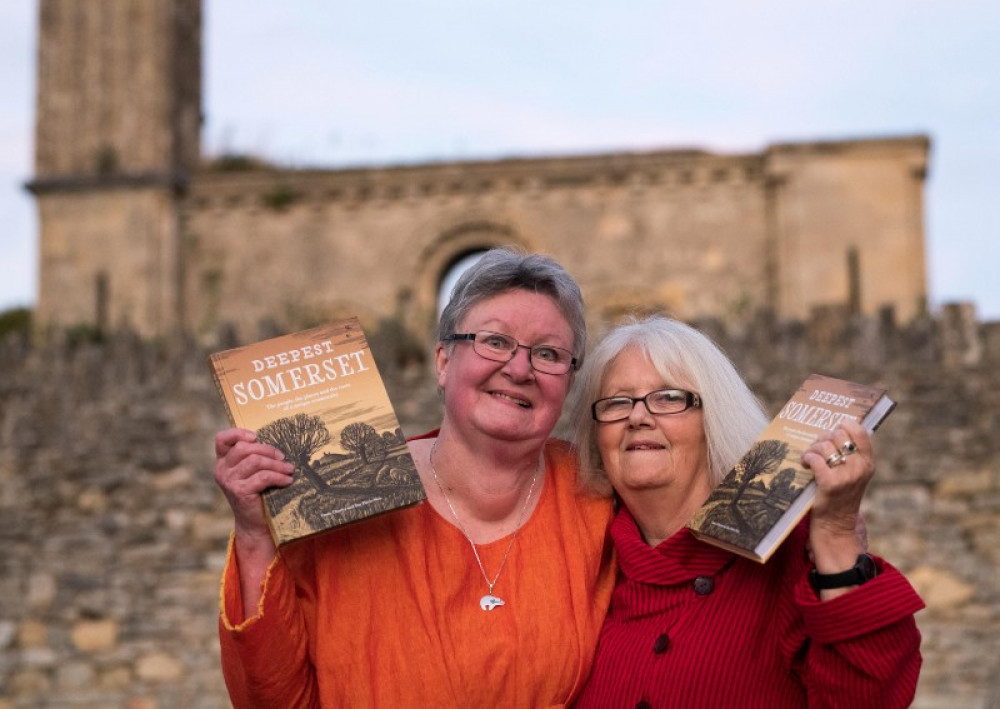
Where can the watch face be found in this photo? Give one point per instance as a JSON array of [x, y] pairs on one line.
[[866, 566]]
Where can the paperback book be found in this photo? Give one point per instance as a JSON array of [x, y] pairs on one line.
[[317, 395], [768, 491]]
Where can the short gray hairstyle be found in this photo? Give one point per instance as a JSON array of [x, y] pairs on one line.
[[502, 270], [733, 416]]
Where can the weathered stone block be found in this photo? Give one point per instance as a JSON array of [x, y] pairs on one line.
[[41, 590], [32, 634], [142, 703], [159, 667], [74, 675], [39, 657], [174, 479], [8, 631], [95, 635], [115, 678], [30, 683], [966, 483], [941, 590]]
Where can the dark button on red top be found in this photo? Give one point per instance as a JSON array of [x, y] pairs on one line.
[[661, 644], [643, 705], [704, 585]]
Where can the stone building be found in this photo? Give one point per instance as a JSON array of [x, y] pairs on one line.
[[138, 229]]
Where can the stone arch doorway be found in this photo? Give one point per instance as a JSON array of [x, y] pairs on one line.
[[451, 275], [453, 251]]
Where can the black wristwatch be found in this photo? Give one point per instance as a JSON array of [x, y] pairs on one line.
[[863, 570]]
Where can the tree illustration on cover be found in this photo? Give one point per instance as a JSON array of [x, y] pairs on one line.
[[363, 440], [298, 437], [756, 502]]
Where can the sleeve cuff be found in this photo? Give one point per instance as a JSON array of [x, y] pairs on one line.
[[232, 615], [883, 601]]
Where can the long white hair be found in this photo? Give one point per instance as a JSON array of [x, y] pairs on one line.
[[733, 416]]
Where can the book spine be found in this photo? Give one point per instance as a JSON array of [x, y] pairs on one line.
[[217, 368], [874, 418]]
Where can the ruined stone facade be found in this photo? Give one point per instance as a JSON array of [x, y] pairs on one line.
[[136, 230]]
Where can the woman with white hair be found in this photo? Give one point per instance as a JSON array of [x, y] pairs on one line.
[[663, 416]]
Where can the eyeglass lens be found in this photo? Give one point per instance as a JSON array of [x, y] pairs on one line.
[[662, 401], [544, 358]]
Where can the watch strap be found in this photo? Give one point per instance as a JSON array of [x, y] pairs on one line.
[[864, 570]]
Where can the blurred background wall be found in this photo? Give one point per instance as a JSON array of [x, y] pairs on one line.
[[113, 533]]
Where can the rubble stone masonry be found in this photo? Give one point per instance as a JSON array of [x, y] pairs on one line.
[[113, 533]]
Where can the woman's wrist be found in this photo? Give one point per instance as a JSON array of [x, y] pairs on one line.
[[253, 548], [834, 550]]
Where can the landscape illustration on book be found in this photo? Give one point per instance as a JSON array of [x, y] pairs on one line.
[[767, 483], [317, 396], [768, 490]]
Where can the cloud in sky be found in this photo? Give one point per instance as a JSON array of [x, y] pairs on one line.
[[316, 82]]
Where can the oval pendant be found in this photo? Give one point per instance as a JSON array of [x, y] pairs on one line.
[[489, 602]]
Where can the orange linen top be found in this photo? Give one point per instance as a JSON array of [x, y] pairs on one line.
[[385, 613]]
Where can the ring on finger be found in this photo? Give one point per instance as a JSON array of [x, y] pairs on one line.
[[835, 459], [848, 448]]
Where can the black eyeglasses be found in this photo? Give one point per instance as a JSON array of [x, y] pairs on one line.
[[659, 402], [501, 348]]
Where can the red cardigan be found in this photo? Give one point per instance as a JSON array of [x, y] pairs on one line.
[[691, 625]]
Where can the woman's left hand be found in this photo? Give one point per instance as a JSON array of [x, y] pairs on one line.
[[842, 476]]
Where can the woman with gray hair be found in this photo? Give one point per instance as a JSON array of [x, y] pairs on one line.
[[491, 594], [663, 416]]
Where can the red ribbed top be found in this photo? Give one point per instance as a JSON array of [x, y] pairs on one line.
[[691, 625]]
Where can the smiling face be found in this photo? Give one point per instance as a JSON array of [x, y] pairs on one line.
[[643, 453], [506, 400]]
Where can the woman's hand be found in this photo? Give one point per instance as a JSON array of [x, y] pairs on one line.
[[837, 531], [245, 468]]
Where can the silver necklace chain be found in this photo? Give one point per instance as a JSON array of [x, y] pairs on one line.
[[475, 551]]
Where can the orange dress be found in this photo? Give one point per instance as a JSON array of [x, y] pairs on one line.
[[385, 613]]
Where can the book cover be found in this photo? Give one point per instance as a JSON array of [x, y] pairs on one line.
[[768, 491], [317, 395]]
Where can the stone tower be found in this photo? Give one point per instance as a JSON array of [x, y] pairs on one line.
[[117, 137]]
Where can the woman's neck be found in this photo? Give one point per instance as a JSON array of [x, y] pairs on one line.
[[662, 512], [487, 493]]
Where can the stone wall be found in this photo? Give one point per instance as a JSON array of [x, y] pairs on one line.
[[112, 531], [690, 232]]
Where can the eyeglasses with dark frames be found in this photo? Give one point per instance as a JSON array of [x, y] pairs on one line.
[[659, 403], [501, 348]]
